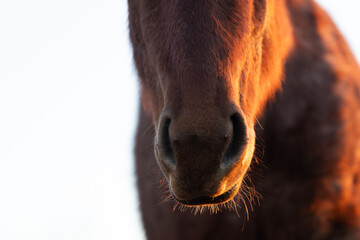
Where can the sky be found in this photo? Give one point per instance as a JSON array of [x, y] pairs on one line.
[[68, 112]]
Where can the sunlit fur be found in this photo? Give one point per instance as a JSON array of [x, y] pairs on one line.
[[286, 68]]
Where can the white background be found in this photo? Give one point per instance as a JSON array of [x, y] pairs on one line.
[[68, 104]]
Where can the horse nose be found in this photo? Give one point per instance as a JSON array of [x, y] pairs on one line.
[[194, 145], [239, 138]]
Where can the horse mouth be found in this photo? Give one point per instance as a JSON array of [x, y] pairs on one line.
[[201, 201]]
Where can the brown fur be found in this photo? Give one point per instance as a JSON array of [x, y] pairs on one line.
[[284, 70]]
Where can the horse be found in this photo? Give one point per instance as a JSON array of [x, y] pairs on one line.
[[249, 121]]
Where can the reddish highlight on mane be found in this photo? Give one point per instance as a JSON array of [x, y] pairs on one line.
[[249, 124]]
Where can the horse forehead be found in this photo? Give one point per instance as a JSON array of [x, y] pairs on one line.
[[194, 36]]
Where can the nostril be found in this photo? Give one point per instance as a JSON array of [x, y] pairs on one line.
[[165, 142], [238, 139]]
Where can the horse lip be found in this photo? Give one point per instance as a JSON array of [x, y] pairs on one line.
[[204, 200]]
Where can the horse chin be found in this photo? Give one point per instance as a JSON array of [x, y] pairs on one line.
[[209, 201]]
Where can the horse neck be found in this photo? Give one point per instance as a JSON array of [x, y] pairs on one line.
[[318, 92]]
